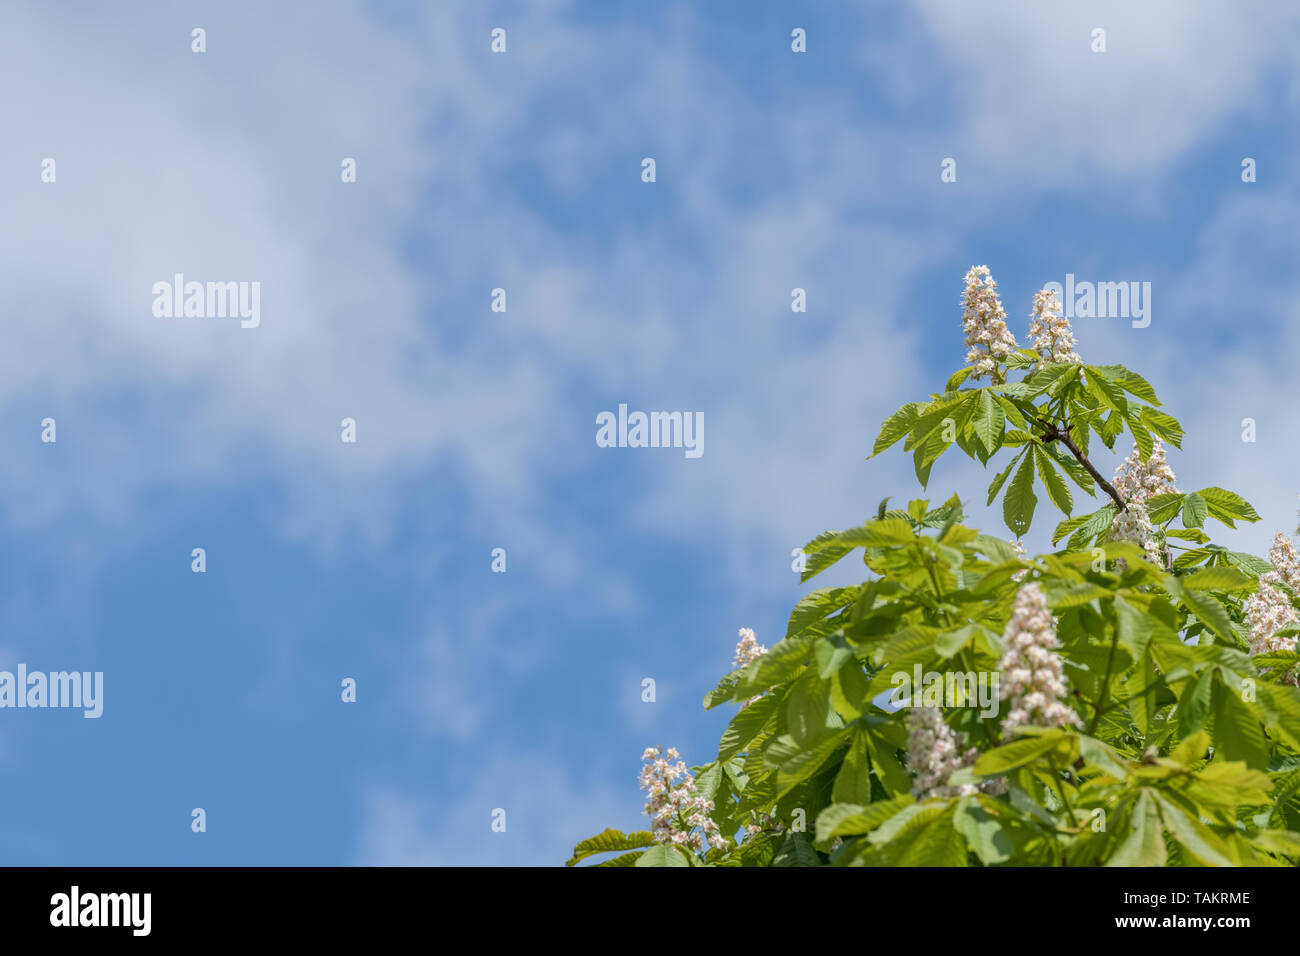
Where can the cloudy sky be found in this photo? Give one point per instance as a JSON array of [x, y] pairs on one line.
[[475, 428]]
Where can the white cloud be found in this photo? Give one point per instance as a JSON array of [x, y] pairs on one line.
[[547, 812], [1036, 106]]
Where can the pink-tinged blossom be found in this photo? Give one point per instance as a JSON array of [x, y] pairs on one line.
[[679, 816], [1286, 561], [748, 649], [1033, 678], [988, 340], [934, 753], [1138, 480], [1019, 545], [1143, 479], [1269, 610], [1134, 524], [1053, 339]]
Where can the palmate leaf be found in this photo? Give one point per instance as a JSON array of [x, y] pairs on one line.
[[1144, 844], [1001, 477], [957, 378], [1166, 426], [1085, 527], [796, 850], [817, 605], [663, 856], [989, 422], [1020, 500], [895, 427], [608, 841], [1104, 390], [927, 838], [747, 724], [845, 819], [1226, 506], [1052, 480]]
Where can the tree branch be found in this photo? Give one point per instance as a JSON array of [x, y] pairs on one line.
[[1062, 434]]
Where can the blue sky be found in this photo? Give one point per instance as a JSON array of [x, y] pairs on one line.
[[476, 429]]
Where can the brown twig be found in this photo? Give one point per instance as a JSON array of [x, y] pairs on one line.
[[1054, 432]]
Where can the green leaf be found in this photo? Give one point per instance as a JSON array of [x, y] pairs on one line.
[[1194, 705], [1056, 487], [1141, 437], [1160, 508], [663, 856], [926, 839], [1203, 843], [725, 691], [847, 819], [885, 533], [1104, 390], [1248, 562], [1097, 523], [1018, 505], [1237, 733], [853, 782], [807, 709], [746, 725], [1018, 753], [1068, 525], [957, 377], [820, 553], [1195, 511], [1001, 478], [1225, 505], [990, 423], [1144, 844], [1211, 613], [983, 831], [796, 770], [818, 605], [1219, 578], [777, 665], [1134, 628], [995, 549], [609, 840], [895, 427], [796, 850], [1166, 426], [1135, 384]]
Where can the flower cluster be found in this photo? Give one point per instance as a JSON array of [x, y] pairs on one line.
[[1021, 553], [1032, 675], [1137, 481], [1134, 524], [1269, 610], [988, 340], [934, 752], [748, 649], [1141, 480], [1286, 561], [1050, 330], [679, 815]]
